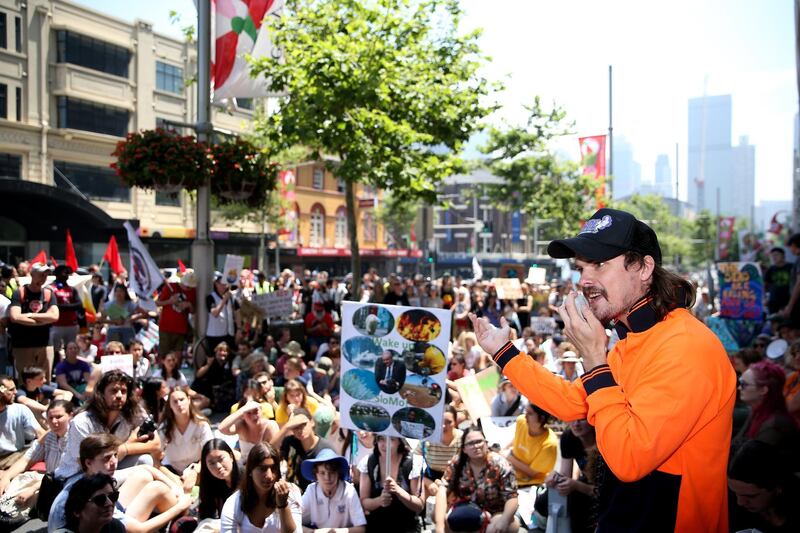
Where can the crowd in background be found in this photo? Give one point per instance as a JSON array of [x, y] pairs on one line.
[[87, 449]]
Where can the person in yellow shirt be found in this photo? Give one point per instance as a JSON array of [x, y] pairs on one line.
[[534, 450]]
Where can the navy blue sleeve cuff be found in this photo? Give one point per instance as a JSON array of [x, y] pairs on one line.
[[599, 378], [505, 354]]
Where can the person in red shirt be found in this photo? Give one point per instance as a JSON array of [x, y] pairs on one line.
[[176, 301], [66, 328], [319, 327]]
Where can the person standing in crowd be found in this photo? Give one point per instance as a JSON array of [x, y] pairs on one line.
[[16, 423], [534, 449], [479, 492], [396, 296], [265, 502], [219, 478], [65, 329], [319, 326], [659, 422], [393, 499], [99, 292], [221, 308], [330, 503], [777, 280], [32, 312], [111, 409], [177, 301]]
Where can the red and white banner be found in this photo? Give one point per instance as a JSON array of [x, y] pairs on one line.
[[239, 30], [725, 232], [593, 155]]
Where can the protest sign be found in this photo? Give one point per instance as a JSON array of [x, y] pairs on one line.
[[276, 304], [122, 362], [536, 276], [394, 367], [507, 288], [148, 336], [543, 325], [499, 429], [233, 266], [477, 391], [741, 290]]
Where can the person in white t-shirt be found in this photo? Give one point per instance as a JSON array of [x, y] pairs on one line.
[[330, 501], [183, 434]]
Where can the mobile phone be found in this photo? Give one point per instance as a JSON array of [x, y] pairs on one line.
[[581, 303]]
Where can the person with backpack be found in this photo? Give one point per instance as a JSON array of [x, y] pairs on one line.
[[393, 499], [31, 314]]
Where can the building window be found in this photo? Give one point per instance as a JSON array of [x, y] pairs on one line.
[[3, 31], [369, 191], [318, 180], [92, 53], [98, 183], [244, 103], [317, 232], [10, 166], [340, 230], [19, 103], [3, 100], [169, 78], [81, 115], [370, 229], [169, 199], [18, 34], [339, 185]]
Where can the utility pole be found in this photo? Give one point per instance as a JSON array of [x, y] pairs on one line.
[[610, 134], [202, 247]]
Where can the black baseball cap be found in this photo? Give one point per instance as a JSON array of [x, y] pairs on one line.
[[609, 233]]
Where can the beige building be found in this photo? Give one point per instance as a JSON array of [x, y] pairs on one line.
[[73, 83]]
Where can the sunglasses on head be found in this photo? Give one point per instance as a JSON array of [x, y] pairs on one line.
[[100, 499]]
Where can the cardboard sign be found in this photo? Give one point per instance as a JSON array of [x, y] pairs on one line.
[[122, 362], [499, 429], [536, 276], [276, 304], [543, 325], [477, 392], [233, 265], [507, 288], [394, 369], [741, 291]]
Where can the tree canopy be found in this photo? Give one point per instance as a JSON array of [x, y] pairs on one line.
[[387, 90]]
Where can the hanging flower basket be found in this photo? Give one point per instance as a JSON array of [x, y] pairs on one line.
[[162, 160], [241, 173]]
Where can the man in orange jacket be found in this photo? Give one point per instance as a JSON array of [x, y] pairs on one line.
[[661, 401]]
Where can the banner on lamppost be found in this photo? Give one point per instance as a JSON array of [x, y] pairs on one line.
[[593, 155], [394, 369], [725, 237]]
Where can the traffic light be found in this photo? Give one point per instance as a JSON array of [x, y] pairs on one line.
[[431, 257]]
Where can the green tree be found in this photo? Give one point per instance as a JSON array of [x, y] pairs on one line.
[[674, 233], [704, 234], [388, 88], [397, 215], [535, 180]]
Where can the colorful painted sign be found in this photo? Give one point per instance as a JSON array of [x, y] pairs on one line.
[[394, 369], [741, 290]]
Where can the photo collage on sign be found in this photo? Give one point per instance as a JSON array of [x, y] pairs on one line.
[[394, 369]]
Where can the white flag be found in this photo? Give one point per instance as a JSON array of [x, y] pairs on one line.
[[145, 277], [477, 271]]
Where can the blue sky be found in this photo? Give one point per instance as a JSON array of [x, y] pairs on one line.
[[661, 52]]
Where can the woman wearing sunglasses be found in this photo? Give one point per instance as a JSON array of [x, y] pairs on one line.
[[90, 506]]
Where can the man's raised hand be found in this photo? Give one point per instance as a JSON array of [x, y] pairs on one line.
[[490, 338]]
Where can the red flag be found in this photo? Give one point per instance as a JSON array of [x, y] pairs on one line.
[[181, 266], [71, 259], [593, 155], [41, 257], [53, 260], [112, 256]]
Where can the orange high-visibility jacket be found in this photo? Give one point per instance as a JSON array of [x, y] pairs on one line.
[[662, 409]]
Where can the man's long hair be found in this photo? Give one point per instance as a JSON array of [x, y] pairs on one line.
[[97, 404], [667, 290]]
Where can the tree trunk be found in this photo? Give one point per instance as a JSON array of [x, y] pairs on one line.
[[352, 234]]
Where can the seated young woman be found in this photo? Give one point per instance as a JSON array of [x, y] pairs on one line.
[[183, 433], [264, 502]]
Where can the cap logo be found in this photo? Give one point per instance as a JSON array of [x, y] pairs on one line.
[[594, 225]]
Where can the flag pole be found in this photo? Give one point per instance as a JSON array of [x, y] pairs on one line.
[[610, 136], [202, 247]]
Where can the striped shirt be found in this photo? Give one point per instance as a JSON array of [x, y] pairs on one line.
[[49, 449], [438, 455]]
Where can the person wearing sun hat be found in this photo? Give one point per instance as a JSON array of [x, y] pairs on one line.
[[662, 425], [569, 366], [331, 501]]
